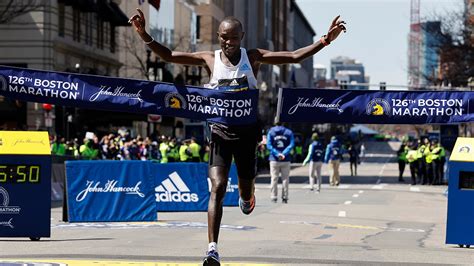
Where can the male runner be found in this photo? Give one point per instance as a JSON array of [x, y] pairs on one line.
[[226, 142]]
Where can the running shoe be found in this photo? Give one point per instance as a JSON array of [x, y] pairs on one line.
[[212, 259], [247, 206]]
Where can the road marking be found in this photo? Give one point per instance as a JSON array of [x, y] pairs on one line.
[[355, 195], [415, 189], [341, 214], [378, 186], [361, 191], [383, 168], [355, 226], [325, 236], [347, 202], [68, 262], [344, 186]]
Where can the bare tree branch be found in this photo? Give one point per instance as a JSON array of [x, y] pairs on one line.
[[11, 9], [454, 47]]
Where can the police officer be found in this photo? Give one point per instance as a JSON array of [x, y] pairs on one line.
[[422, 178], [280, 141], [438, 154], [299, 152], [164, 149], [195, 150], [412, 158], [315, 158], [185, 152]]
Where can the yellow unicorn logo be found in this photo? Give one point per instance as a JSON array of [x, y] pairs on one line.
[[175, 103], [378, 109]]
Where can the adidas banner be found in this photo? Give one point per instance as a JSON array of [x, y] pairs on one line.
[[232, 192], [237, 105], [99, 191], [181, 186], [375, 107]]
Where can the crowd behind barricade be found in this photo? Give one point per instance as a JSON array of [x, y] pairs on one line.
[[162, 149], [112, 146]]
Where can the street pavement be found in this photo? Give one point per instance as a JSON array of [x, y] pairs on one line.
[[370, 219]]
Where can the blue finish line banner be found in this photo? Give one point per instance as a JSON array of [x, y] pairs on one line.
[[238, 106], [375, 107]]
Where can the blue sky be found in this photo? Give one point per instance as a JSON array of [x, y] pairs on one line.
[[377, 32]]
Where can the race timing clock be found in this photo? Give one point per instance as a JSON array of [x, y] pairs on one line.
[[25, 184]]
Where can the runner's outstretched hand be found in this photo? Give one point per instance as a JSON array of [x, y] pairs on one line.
[[335, 29], [138, 21]]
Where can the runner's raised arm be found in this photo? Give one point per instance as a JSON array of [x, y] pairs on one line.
[[197, 58]]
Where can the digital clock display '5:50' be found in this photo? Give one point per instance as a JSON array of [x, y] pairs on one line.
[[19, 173]]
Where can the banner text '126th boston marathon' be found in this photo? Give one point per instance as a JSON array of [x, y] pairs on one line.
[[237, 106], [375, 107]]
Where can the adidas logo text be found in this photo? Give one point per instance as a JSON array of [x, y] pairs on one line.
[[173, 189]]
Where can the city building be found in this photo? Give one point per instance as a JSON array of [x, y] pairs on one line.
[[320, 75], [348, 71], [61, 35], [301, 34], [430, 51]]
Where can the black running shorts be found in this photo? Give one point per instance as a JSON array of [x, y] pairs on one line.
[[238, 143]]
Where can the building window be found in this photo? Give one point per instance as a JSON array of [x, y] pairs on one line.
[[106, 30], [76, 25], [87, 27], [112, 39], [198, 27], [93, 28], [61, 21], [100, 33]]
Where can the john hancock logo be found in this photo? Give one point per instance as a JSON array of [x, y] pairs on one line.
[[3, 83], [378, 107], [175, 101]]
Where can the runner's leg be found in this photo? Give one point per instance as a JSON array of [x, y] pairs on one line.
[[219, 176]]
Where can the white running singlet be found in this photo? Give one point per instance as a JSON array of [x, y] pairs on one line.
[[221, 71]]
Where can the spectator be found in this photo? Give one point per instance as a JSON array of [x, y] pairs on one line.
[[402, 159], [58, 147]]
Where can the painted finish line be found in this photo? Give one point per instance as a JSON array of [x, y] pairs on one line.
[[138, 225], [66, 262]]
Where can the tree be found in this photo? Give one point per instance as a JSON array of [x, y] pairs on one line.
[[455, 48], [10, 9]]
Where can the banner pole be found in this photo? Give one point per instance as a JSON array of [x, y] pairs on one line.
[[279, 104]]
